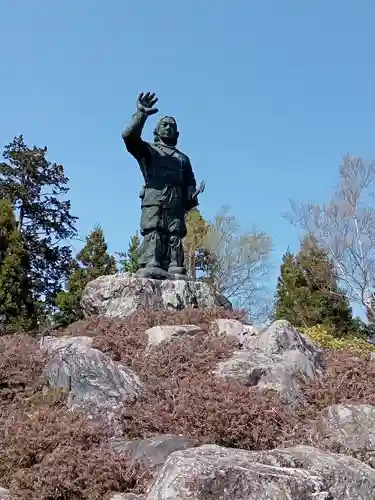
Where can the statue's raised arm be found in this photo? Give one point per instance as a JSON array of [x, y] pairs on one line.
[[132, 134]]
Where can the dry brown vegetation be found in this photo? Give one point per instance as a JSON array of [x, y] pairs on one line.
[[48, 453]]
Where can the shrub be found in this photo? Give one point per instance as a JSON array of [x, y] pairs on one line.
[[47, 452], [323, 338], [125, 340], [21, 364], [348, 376]]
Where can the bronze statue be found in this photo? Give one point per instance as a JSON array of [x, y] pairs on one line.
[[169, 191]]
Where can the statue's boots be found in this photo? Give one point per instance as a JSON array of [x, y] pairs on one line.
[[176, 252], [152, 249]]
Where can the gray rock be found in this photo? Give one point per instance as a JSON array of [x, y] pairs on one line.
[[227, 474], [350, 425], [274, 358], [4, 494], [281, 336], [278, 373], [95, 382], [152, 452], [119, 295], [223, 301], [164, 333], [52, 344], [233, 328], [295, 473], [126, 496], [346, 477], [3, 326]]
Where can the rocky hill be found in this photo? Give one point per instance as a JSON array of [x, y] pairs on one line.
[[168, 411], [190, 404]]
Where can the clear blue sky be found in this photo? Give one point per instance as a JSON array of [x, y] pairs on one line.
[[268, 95]]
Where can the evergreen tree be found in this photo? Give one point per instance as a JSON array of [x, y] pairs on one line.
[[287, 289], [129, 260], [308, 293], [14, 289], [35, 187], [91, 262], [194, 242]]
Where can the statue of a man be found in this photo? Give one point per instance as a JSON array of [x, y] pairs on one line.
[[169, 191]]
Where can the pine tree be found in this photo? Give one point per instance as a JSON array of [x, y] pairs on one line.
[[308, 293], [129, 260], [35, 186], [194, 241], [14, 295], [287, 289], [91, 262]]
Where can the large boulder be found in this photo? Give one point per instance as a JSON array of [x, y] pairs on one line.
[[4, 494], [95, 383], [119, 295], [352, 427], [346, 477], [52, 344], [274, 358], [295, 473], [226, 474]]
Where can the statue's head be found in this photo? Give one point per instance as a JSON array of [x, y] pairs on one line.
[[166, 131]]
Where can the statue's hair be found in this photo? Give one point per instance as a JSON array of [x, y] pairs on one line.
[[156, 134]]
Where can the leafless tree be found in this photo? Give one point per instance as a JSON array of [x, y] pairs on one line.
[[241, 263], [345, 228]]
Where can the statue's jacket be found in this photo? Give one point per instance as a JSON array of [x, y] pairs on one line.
[[168, 177], [169, 184], [169, 181]]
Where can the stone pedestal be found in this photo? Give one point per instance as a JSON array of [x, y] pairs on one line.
[[121, 294]]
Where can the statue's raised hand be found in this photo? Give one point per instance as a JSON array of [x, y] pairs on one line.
[[146, 103]]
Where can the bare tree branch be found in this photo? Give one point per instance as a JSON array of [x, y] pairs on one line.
[[241, 262], [345, 228]]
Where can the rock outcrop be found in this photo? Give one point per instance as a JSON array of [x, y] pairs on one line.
[[352, 427], [4, 494], [274, 358], [53, 344], [296, 473], [119, 295], [277, 358], [95, 383]]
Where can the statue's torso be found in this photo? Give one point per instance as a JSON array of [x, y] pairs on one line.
[[166, 165], [164, 176]]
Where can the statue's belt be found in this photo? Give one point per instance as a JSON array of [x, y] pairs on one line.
[[165, 192]]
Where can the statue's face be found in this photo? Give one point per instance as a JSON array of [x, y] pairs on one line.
[[167, 131]]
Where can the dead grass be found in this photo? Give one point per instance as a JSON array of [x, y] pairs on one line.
[[48, 453]]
